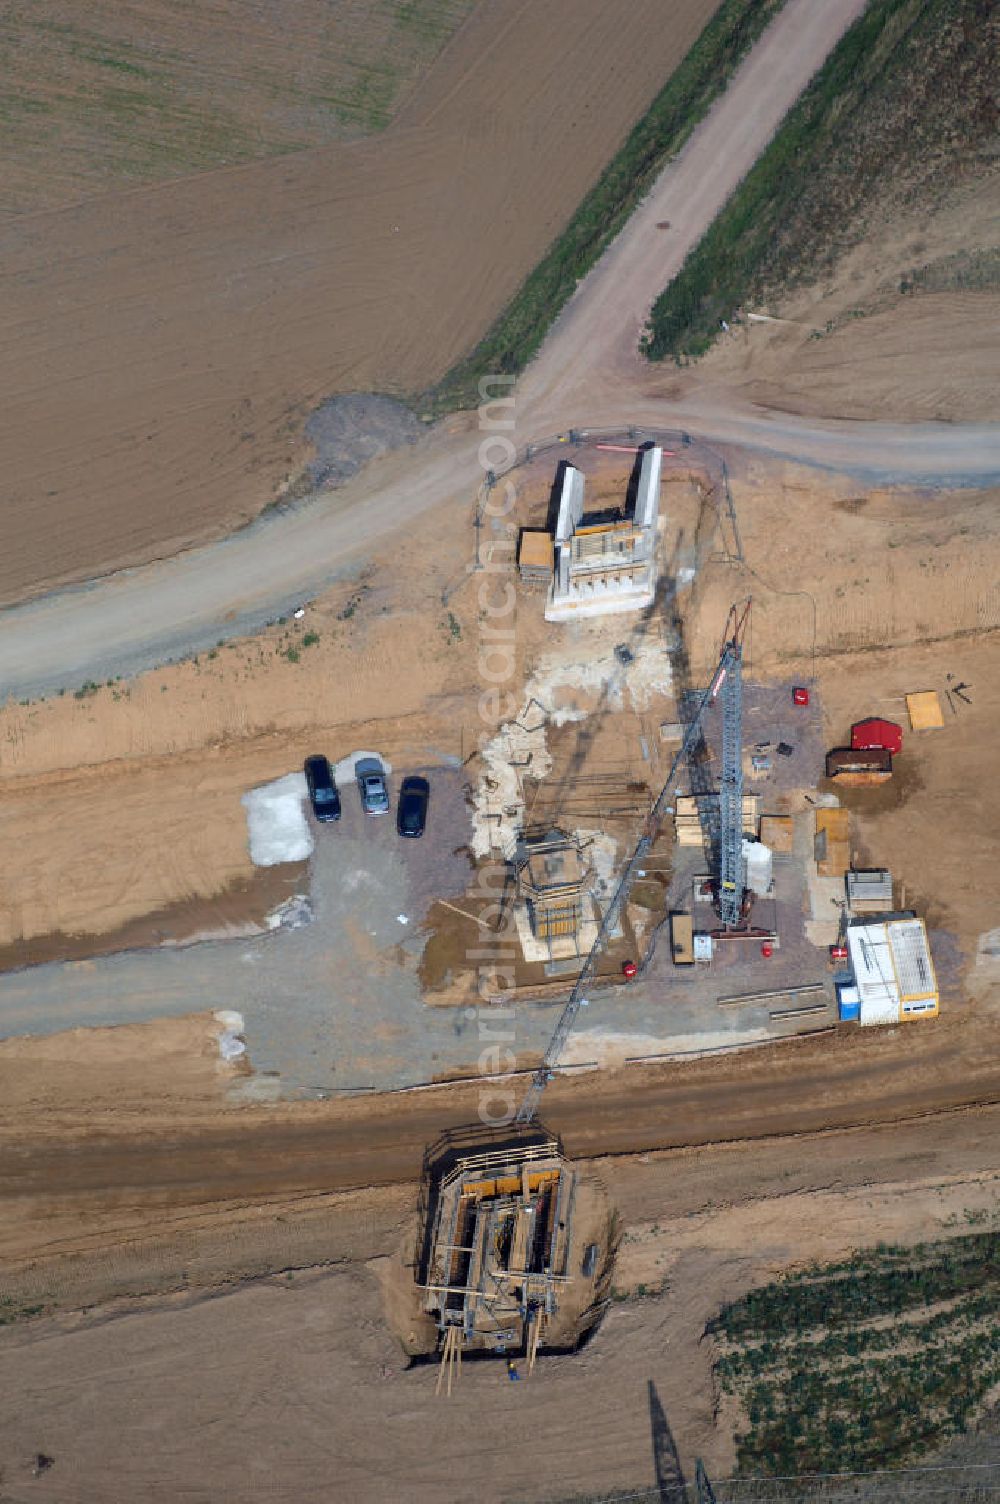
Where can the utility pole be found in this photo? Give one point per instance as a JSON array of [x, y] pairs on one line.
[[477, 521]]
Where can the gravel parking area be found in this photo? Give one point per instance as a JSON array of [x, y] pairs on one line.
[[335, 1005]]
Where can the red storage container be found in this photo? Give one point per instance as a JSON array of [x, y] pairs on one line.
[[800, 696], [877, 733]]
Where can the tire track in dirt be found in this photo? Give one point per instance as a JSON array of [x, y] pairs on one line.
[[132, 1174]]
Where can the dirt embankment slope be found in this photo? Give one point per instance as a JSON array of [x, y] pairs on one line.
[[866, 235], [902, 326], [160, 349]]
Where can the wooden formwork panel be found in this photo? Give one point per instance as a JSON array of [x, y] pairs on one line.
[[924, 710]]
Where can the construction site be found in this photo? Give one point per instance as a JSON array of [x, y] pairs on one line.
[[651, 864], [499, 956], [756, 922], [724, 826], [697, 926]]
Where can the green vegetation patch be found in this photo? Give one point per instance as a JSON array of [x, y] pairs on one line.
[[965, 271], [661, 133], [911, 87], [10, 1312], [863, 1364]]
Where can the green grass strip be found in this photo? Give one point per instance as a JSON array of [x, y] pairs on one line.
[[676, 110]]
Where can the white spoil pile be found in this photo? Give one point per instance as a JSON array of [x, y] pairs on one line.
[[277, 827], [231, 1042]]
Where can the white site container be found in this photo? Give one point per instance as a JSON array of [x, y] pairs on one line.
[[879, 1010]]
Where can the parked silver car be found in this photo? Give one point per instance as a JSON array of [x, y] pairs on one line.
[[372, 786]]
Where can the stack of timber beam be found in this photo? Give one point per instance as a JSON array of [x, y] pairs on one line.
[[688, 829], [534, 558], [832, 842]]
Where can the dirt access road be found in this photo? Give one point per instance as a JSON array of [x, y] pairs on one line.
[[605, 319], [135, 619], [132, 1164]]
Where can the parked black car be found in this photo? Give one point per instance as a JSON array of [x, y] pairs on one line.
[[322, 789], [411, 815]]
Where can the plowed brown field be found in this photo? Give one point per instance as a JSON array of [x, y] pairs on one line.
[[112, 95], [160, 347]]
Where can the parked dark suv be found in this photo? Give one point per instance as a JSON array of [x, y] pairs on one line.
[[322, 789], [411, 814]]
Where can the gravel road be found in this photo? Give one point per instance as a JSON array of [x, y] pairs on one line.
[[336, 1005]]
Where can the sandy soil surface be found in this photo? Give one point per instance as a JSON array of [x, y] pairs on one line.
[[854, 344], [155, 1135], [177, 336], [144, 779], [273, 1383], [906, 598]]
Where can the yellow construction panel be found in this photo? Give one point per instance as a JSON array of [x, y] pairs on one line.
[[536, 550], [836, 823], [836, 861], [682, 939], [832, 847], [551, 926], [606, 527], [509, 1185], [924, 710]]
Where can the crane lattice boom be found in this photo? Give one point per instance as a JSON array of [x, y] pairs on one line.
[[731, 865], [727, 673]]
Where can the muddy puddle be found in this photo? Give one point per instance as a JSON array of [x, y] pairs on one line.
[[240, 909]]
